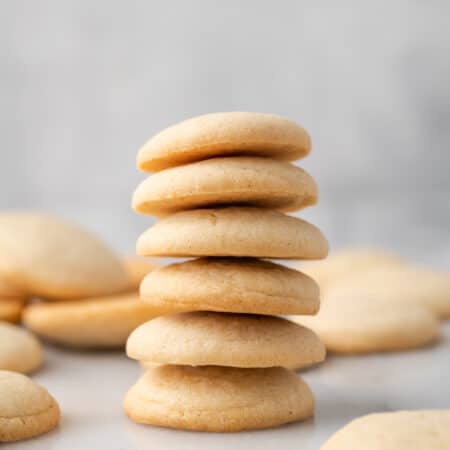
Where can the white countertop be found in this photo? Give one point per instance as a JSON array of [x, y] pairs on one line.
[[90, 388]]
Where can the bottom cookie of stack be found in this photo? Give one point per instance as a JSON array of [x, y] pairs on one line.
[[218, 399]]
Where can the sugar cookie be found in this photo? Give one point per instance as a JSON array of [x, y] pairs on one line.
[[353, 324], [230, 285], [401, 430], [224, 134], [20, 351], [348, 262], [94, 323], [233, 231], [220, 399], [10, 310], [26, 409], [248, 181], [402, 284], [50, 258], [219, 339], [137, 269]]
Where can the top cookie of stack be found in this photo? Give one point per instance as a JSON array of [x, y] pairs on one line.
[[224, 183]]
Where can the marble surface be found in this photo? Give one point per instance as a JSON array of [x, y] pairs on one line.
[[90, 388]]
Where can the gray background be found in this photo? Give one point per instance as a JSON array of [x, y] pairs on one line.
[[84, 84]]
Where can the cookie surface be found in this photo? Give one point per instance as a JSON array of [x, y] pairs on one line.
[[137, 269], [401, 430], [26, 409], [10, 310], [219, 339], [219, 399], [95, 323], [224, 134], [230, 285], [346, 263], [353, 324], [20, 351], [51, 258], [403, 284], [223, 181], [233, 231]]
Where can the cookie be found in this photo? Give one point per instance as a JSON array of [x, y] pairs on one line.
[[219, 339], [403, 284], [223, 181], [20, 351], [47, 257], [349, 262], [224, 134], [26, 409], [400, 430], [9, 290], [137, 269], [219, 399], [354, 324], [233, 231], [10, 310], [239, 285], [94, 323]]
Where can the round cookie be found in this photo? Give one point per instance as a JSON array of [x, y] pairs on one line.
[[230, 285], [400, 430], [354, 324], [219, 339], [10, 310], [137, 269], [51, 258], [402, 284], [234, 231], [94, 323], [224, 134], [346, 263], [26, 409], [20, 351], [222, 181], [219, 399], [9, 290]]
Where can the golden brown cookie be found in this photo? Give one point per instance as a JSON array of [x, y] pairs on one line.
[[10, 310], [219, 399], [240, 285], [48, 257], [234, 231], [26, 409], [403, 284], [223, 181], [355, 324], [224, 134], [93, 323], [219, 339], [137, 269], [399, 430], [20, 351]]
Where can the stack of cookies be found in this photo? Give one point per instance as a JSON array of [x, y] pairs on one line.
[[217, 360]]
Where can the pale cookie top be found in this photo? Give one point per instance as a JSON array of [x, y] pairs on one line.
[[224, 134], [347, 263], [224, 181], [103, 322], [52, 258], [22, 397], [401, 430], [403, 284], [355, 323], [220, 339], [219, 398], [241, 285], [233, 231], [20, 351]]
